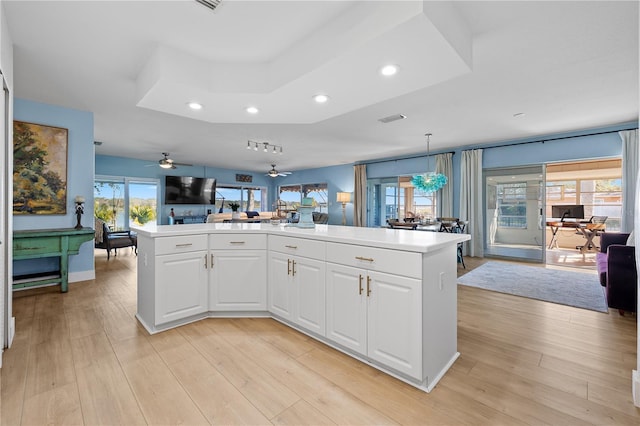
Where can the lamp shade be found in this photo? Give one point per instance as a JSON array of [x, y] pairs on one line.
[[344, 197]]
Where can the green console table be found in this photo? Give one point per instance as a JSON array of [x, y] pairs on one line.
[[40, 243]]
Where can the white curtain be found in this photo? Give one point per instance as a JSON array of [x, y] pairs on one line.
[[471, 208], [360, 195], [444, 196], [630, 164]]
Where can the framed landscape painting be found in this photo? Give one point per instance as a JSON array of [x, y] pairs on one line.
[[39, 169]]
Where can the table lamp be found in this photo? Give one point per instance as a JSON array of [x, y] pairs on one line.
[[344, 198]]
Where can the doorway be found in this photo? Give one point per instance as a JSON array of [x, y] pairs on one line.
[[514, 213], [592, 188]]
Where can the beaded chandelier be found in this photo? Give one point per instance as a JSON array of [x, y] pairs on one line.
[[430, 181]]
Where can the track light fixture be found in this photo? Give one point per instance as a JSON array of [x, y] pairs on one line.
[[266, 147]]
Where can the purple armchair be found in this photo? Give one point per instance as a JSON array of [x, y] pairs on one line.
[[616, 264]]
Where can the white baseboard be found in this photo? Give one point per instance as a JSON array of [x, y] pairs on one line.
[[74, 277], [635, 386]]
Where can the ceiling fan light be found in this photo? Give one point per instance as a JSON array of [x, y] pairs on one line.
[[166, 165]]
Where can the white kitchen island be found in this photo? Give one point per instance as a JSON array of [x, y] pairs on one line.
[[387, 297]]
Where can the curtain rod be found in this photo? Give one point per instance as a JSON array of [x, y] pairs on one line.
[[500, 146], [558, 138], [405, 158]]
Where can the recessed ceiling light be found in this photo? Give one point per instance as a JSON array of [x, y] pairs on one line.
[[389, 70], [320, 98], [252, 110], [194, 105]]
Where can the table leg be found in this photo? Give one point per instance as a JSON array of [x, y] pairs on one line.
[[64, 265], [554, 238]]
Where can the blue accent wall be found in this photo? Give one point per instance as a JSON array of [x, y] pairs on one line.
[[80, 160]]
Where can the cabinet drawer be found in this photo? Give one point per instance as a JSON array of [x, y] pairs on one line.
[[396, 262], [242, 241], [298, 246], [182, 244]]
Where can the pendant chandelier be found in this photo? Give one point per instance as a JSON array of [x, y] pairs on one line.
[[430, 181]]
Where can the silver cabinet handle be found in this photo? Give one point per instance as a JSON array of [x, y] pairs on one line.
[[205, 261], [292, 247], [212, 260], [293, 268], [236, 242], [184, 245]]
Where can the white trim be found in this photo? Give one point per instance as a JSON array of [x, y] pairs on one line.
[[82, 276], [635, 386]]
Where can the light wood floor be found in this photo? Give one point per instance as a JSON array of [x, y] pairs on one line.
[[81, 358]]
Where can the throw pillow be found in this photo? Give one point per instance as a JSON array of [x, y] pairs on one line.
[[631, 241]]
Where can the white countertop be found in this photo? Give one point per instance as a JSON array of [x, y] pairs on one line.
[[397, 239]]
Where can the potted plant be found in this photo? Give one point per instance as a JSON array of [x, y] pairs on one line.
[[234, 210]]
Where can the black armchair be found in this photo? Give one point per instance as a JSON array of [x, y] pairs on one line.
[[108, 240], [616, 264]]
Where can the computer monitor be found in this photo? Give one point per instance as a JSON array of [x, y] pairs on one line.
[[570, 211]]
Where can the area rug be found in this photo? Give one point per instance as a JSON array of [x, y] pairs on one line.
[[579, 289]]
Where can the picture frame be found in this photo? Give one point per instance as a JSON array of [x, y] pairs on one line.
[[39, 169]]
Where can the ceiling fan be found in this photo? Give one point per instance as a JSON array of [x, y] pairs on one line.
[[274, 173], [168, 163]]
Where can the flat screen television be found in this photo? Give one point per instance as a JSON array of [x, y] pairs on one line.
[[568, 211], [189, 190]]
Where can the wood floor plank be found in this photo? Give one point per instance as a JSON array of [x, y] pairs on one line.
[[160, 396], [50, 366], [301, 413], [90, 349], [57, 406], [83, 322], [263, 390], [13, 375], [220, 401], [572, 405], [105, 395]]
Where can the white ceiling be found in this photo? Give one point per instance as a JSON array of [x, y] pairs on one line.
[[465, 69]]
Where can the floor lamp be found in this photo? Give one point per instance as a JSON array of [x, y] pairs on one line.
[[344, 198]]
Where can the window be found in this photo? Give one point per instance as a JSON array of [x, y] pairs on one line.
[[511, 199], [252, 198], [291, 196], [600, 197], [122, 201], [397, 198]]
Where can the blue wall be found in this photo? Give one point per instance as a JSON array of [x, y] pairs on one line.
[[495, 155], [80, 160]]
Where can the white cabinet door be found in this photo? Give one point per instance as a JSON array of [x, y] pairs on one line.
[[181, 286], [309, 294], [395, 322], [238, 280], [280, 285], [347, 307]]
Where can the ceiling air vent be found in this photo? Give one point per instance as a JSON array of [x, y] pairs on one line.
[[211, 4], [391, 118]]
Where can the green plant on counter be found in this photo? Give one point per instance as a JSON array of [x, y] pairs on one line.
[[234, 206]]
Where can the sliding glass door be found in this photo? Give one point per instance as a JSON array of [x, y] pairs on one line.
[[514, 213]]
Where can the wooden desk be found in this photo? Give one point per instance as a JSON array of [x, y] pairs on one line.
[[41, 243], [588, 230]]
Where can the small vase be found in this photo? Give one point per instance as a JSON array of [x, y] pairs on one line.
[[235, 215]]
